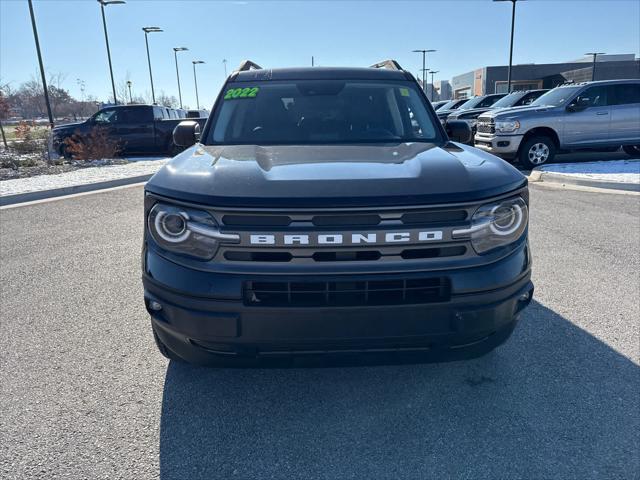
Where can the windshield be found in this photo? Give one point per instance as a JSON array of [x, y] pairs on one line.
[[449, 105], [472, 102], [321, 112], [556, 97], [509, 100]]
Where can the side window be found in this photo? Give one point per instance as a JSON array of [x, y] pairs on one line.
[[134, 115], [107, 116], [157, 113], [591, 97], [624, 94]]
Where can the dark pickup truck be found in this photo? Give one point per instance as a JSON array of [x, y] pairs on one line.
[[138, 129]]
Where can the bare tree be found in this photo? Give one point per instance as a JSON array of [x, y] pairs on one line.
[[166, 100], [4, 113]]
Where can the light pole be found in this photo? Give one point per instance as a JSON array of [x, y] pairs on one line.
[[425, 73], [432, 72], [130, 96], [195, 80], [593, 68], [44, 80], [175, 54], [147, 31], [513, 23], [224, 62], [424, 68], [103, 3]]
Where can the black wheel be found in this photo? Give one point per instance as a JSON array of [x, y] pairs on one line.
[[632, 150], [163, 349], [537, 151], [63, 152]]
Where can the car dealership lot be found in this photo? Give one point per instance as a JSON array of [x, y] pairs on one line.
[[84, 393]]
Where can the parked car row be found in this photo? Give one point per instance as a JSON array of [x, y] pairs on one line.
[[533, 126]]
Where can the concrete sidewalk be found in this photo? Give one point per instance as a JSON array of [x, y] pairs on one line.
[[614, 174], [77, 181]]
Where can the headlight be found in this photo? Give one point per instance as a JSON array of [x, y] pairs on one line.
[[507, 126], [496, 225], [186, 231]]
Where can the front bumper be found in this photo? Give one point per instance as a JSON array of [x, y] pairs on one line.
[[502, 145], [220, 327]]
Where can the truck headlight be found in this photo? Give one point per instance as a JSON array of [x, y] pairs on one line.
[[507, 126], [496, 224], [186, 231]]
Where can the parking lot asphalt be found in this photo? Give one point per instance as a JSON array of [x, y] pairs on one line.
[[84, 394]]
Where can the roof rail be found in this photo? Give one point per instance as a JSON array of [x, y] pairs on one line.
[[388, 64], [248, 65]]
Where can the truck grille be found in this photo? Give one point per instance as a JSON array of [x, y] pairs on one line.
[[485, 125], [344, 223], [347, 293]]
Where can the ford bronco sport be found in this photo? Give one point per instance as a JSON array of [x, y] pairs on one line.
[[325, 212]]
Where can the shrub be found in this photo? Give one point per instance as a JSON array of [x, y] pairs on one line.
[[27, 139], [94, 146]]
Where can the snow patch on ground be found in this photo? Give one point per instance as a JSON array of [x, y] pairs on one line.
[[624, 171], [83, 176]]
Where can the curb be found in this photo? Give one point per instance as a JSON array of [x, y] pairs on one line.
[[552, 177], [59, 192]]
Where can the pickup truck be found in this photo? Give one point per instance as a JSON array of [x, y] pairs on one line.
[[480, 101], [326, 212], [138, 129], [514, 99], [602, 115]]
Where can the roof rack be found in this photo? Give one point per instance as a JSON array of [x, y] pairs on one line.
[[388, 64], [248, 65]]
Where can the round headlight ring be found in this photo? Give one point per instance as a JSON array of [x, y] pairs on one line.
[[160, 224], [514, 223]]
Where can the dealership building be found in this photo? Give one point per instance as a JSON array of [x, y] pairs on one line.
[[493, 79]]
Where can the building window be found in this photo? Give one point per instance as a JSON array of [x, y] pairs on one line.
[[501, 86], [462, 93]]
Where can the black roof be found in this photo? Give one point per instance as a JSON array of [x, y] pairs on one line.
[[320, 73]]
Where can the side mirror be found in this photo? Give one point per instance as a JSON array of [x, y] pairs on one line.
[[578, 104], [186, 133], [458, 131]]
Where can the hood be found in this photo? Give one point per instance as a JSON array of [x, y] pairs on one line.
[[67, 126], [471, 112], [503, 113], [446, 113], [334, 175]]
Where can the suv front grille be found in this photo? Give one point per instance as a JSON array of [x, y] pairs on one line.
[[347, 293], [344, 223]]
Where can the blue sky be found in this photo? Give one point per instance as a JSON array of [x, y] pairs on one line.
[[467, 35]]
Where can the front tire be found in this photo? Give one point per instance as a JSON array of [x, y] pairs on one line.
[[64, 153], [537, 151], [632, 150]]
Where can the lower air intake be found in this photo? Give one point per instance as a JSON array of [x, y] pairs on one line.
[[347, 293]]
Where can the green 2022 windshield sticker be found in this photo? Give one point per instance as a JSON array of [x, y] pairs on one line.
[[236, 93]]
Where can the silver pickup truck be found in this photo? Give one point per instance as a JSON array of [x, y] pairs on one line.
[[601, 115]]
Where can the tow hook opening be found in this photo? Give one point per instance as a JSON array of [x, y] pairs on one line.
[[524, 300]]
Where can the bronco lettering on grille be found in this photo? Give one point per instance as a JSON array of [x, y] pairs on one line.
[[346, 239]]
